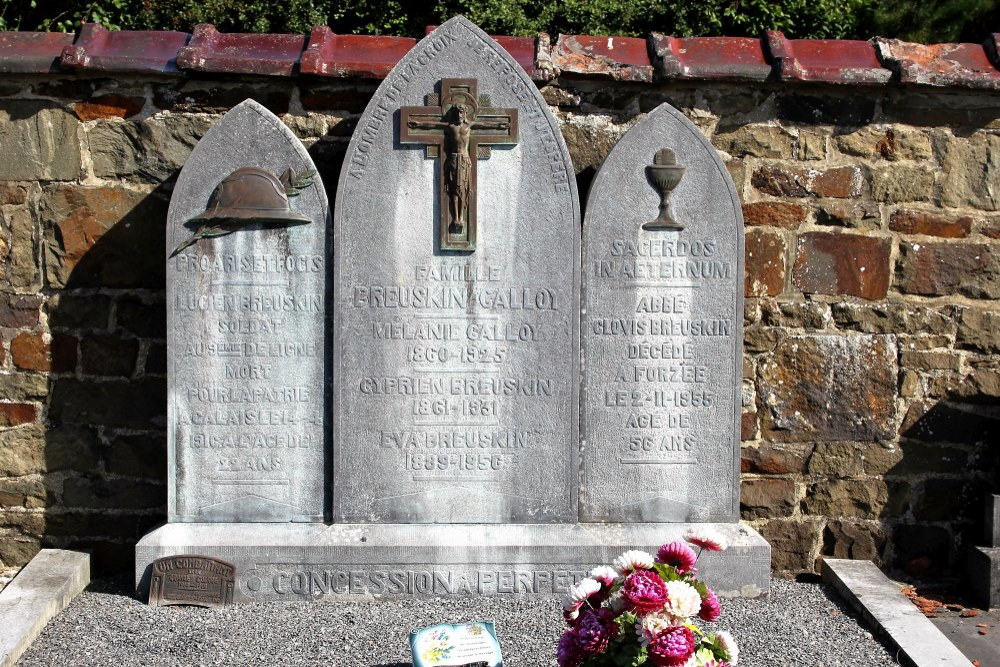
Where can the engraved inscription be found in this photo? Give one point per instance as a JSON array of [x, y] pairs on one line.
[[193, 580]]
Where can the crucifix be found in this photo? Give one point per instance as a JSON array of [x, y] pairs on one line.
[[465, 126]]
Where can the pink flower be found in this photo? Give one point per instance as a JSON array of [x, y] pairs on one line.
[[568, 653], [707, 538], [672, 648], [645, 590], [607, 576], [678, 555], [710, 607], [594, 630]]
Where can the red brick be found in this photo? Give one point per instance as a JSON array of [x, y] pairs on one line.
[[15, 414], [838, 182], [30, 352], [19, 311], [831, 263], [748, 426], [930, 224], [765, 263], [108, 106], [775, 214], [63, 351]]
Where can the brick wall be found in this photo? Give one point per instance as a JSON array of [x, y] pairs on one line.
[[872, 351]]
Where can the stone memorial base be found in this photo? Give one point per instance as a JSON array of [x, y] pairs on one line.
[[282, 562], [984, 575]]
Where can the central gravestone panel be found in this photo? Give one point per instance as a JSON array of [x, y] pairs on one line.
[[456, 327]]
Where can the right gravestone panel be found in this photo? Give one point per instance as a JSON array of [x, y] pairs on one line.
[[662, 341]]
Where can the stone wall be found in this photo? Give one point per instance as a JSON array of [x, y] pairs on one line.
[[872, 351]]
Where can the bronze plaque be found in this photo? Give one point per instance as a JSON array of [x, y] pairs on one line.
[[196, 580]]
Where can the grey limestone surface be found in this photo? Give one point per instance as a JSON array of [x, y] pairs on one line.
[[662, 334], [455, 373], [984, 575], [41, 590], [877, 599], [308, 561], [246, 344], [993, 522]]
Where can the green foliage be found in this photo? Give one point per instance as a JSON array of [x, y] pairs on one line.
[[936, 21]]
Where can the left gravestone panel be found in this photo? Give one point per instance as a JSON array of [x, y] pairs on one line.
[[246, 285]]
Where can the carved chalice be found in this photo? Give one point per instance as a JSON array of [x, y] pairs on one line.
[[664, 175]]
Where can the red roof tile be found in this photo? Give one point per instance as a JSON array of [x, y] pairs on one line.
[[619, 58], [134, 51], [958, 65], [365, 56], [31, 52], [827, 60], [734, 58], [241, 53]]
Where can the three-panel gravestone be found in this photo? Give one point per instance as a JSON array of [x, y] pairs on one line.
[[452, 438]]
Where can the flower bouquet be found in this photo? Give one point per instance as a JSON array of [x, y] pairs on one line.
[[641, 612]]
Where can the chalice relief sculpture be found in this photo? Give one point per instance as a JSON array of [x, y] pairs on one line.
[[462, 123], [664, 175]]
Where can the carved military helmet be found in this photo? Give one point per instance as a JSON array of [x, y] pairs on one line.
[[251, 194]]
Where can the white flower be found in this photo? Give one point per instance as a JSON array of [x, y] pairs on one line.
[[682, 599], [630, 561], [617, 603], [652, 624], [578, 594], [707, 538], [728, 645], [604, 574]]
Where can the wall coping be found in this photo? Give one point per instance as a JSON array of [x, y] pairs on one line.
[[655, 58]]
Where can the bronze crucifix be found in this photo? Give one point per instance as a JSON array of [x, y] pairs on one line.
[[462, 123]]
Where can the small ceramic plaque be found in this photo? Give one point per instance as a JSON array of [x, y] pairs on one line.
[[455, 645]]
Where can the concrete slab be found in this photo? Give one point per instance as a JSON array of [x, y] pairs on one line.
[[978, 637], [881, 603], [284, 562], [40, 591]]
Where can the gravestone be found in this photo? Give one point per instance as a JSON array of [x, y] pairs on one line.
[[245, 322], [456, 328], [456, 360], [663, 336]]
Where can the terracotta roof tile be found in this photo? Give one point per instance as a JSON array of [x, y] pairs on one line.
[[827, 60], [241, 53], [31, 52], [619, 58], [734, 58], [956, 65], [365, 56], [98, 48]]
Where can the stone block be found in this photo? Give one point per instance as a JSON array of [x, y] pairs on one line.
[[793, 544], [795, 315], [993, 521], [921, 549], [109, 356], [911, 221], [13, 194], [940, 500], [851, 498], [849, 264], [892, 143], [139, 404], [67, 310], [190, 97], [767, 498], [979, 329], [27, 492], [108, 106], [775, 214], [139, 455], [930, 360], [765, 263], [825, 109], [24, 272], [835, 459], [63, 353], [837, 182], [771, 459], [23, 386], [900, 183], [852, 213], [941, 269], [812, 145], [765, 141], [16, 414], [971, 175], [30, 351], [19, 311], [590, 139], [854, 540], [93, 491], [103, 237], [38, 142], [156, 359], [150, 150], [819, 387], [984, 575]]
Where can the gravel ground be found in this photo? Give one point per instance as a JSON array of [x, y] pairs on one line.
[[799, 624]]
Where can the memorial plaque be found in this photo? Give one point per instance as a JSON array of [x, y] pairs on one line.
[[663, 285], [195, 580], [456, 296], [467, 644], [246, 294]]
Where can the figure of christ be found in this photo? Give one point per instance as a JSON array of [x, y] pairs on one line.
[[457, 127]]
